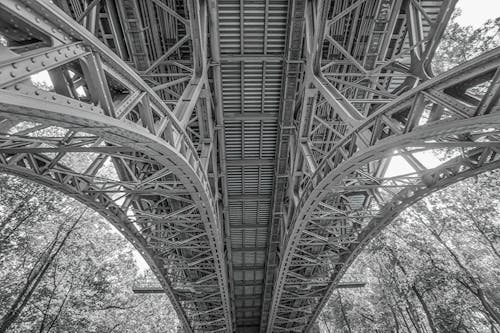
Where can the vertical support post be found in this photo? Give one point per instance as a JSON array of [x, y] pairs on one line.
[[97, 83]]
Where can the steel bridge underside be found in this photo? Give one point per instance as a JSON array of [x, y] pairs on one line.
[[246, 148]]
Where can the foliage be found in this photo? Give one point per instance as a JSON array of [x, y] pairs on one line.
[[85, 286], [462, 43], [437, 267]]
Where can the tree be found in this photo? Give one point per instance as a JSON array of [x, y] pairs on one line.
[[462, 43], [431, 270], [436, 267], [67, 272]]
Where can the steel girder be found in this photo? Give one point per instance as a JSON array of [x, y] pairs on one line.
[[248, 54], [105, 137], [359, 107]]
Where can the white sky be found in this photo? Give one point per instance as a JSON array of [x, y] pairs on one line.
[[476, 12]]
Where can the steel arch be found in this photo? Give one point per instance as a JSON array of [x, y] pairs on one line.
[[348, 200], [159, 195]]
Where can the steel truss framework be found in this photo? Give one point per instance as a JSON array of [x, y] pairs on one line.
[[110, 140], [249, 163], [362, 104]]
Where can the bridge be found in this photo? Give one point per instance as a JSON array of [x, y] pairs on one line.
[[244, 147]]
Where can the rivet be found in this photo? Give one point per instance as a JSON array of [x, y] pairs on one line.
[[37, 92], [17, 87], [12, 74], [28, 69], [68, 101], [54, 97], [18, 7], [43, 63], [14, 65]]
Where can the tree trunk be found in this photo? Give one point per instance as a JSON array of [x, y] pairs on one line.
[[417, 293], [396, 322], [343, 313], [426, 309], [474, 285], [481, 231], [35, 277], [414, 320], [326, 324], [495, 315], [404, 319], [49, 302], [61, 306], [18, 209]]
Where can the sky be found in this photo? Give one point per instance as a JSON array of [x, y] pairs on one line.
[[476, 12]]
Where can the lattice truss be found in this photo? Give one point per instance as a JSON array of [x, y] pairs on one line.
[[135, 144], [367, 102]]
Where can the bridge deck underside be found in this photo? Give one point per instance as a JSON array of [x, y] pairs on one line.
[[252, 40]]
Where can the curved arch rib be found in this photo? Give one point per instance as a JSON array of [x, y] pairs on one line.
[[353, 194], [117, 148]]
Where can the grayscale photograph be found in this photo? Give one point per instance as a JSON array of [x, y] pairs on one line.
[[250, 166]]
